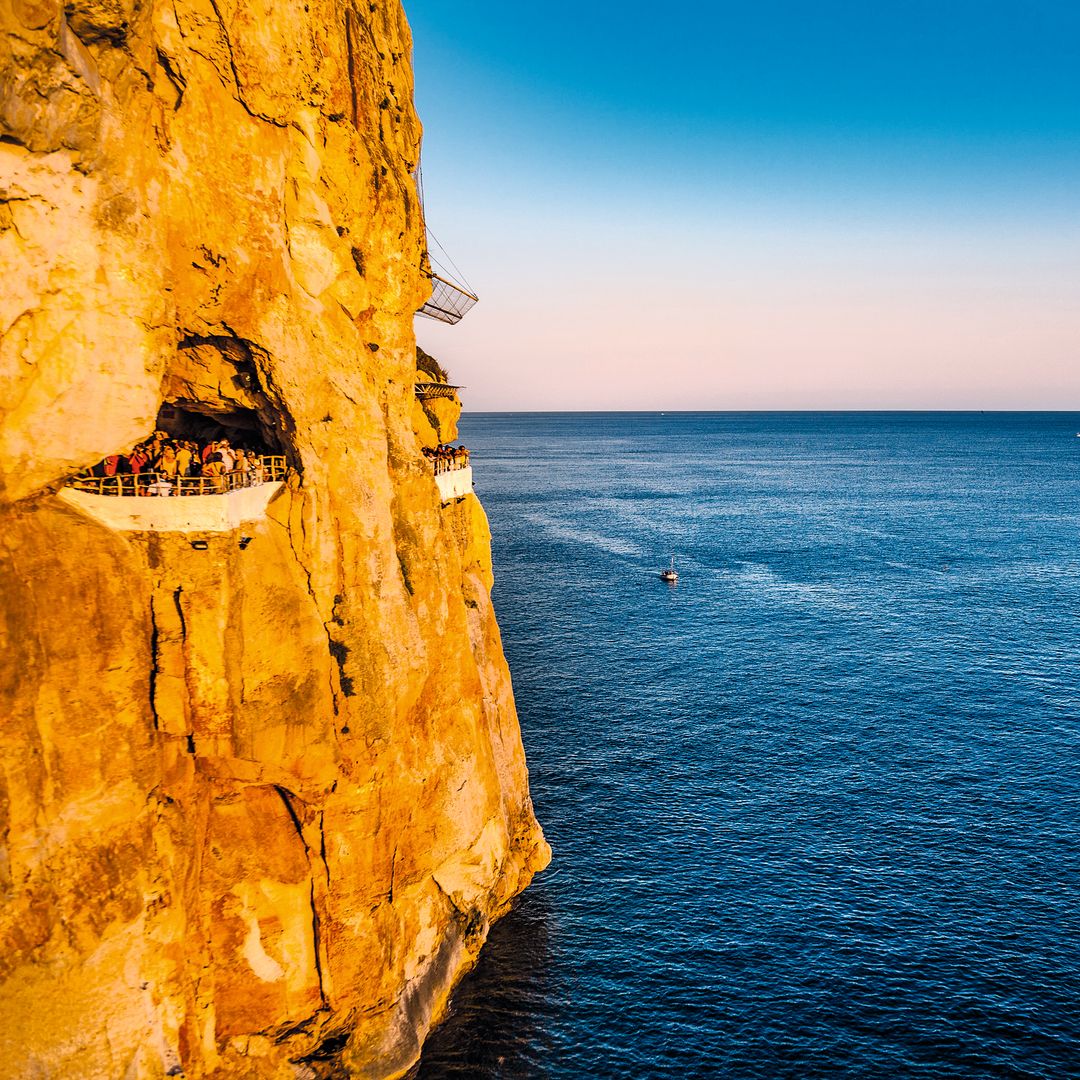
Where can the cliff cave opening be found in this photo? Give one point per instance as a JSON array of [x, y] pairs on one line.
[[243, 428], [194, 449]]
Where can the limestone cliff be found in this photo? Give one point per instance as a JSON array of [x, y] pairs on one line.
[[260, 796]]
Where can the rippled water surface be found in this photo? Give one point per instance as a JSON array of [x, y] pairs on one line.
[[815, 809]]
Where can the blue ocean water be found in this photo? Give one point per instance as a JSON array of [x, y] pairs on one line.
[[815, 808]]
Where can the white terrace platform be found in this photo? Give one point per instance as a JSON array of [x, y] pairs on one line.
[[454, 483], [152, 513]]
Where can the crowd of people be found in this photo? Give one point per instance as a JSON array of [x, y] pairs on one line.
[[162, 463], [446, 457]]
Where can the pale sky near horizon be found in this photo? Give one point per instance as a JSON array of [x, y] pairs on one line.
[[785, 205]]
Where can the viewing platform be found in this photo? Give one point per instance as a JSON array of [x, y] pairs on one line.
[[449, 302], [428, 391], [453, 473], [152, 502]]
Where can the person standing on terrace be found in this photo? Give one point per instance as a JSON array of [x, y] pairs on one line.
[[166, 463], [228, 456], [215, 469], [184, 457], [138, 459]]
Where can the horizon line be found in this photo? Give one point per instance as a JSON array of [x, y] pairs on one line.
[[743, 412]]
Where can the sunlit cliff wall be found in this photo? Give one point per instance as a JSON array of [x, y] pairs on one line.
[[259, 804]]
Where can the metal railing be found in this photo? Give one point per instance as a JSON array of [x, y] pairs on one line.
[[450, 463], [271, 468]]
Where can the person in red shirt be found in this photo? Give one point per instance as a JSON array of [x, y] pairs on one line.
[[137, 459]]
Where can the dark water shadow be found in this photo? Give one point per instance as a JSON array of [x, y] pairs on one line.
[[497, 1018]]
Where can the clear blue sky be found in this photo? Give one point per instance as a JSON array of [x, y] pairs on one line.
[[761, 205]]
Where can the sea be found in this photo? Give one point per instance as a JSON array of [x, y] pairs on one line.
[[815, 809]]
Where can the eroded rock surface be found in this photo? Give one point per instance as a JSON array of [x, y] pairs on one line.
[[260, 800]]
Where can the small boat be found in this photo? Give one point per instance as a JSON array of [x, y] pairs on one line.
[[670, 575]]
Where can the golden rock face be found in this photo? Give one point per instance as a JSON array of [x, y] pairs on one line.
[[262, 797]]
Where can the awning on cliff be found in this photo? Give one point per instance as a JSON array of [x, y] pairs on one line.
[[449, 302]]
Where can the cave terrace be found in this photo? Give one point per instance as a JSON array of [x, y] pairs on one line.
[[148, 502]]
